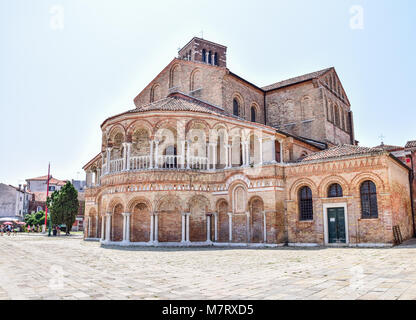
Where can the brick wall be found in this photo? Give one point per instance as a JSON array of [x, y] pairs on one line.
[[170, 226]]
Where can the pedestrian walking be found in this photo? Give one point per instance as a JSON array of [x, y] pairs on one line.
[[28, 228], [58, 230], [8, 230], [15, 231]]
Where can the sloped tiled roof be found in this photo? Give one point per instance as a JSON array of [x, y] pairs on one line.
[[51, 181], [295, 80], [411, 144], [341, 151], [388, 147], [180, 102]]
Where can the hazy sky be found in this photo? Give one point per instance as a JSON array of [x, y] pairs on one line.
[[68, 65]]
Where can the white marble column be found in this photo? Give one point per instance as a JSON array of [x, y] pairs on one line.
[[273, 149], [248, 227], [230, 226], [104, 169], [152, 223], [226, 156], [188, 154], [126, 227], [108, 227], [214, 157], [216, 226], [183, 154], [96, 227], [230, 156], [187, 226], [260, 151], [213, 59], [183, 227], [156, 154], [247, 153], [108, 160], [207, 57], [98, 176], [209, 156], [102, 228], [127, 167], [124, 156], [208, 227], [281, 151], [243, 152], [156, 227], [151, 154], [264, 227]]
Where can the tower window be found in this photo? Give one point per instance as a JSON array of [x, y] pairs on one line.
[[216, 59], [210, 57], [236, 107], [204, 55], [253, 114]]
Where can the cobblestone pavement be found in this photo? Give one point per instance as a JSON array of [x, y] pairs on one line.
[[38, 267]]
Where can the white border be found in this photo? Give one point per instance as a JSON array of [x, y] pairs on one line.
[[326, 206]]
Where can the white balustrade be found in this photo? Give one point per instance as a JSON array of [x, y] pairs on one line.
[[168, 162], [198, 163], [140, 162], [116, 165]]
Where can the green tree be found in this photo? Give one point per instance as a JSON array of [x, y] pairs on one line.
[[63, 206], [36, 218]]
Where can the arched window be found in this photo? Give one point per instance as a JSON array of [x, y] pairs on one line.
[[368, 194], [342, 119], [216, 59], [155, 93], [204, 55], [327, 110], [335, 191], [253, 114], [347, 126], [336, 110], [174, 77], [236, 107], [210, 57], [305, 204]]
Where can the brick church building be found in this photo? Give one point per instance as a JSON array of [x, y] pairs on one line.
[[209, 158]]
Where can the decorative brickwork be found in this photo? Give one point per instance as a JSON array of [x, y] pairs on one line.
[[182, 169]]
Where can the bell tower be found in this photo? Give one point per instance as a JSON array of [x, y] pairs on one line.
[[204, 51]]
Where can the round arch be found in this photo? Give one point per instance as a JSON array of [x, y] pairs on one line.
[[294, 188], [361, 177], [256, 226], [328, 181]]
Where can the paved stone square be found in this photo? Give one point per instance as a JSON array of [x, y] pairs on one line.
[[38, 267]]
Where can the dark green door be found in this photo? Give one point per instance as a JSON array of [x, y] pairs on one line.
[[336, 225]]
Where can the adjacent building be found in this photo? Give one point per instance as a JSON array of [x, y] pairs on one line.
[[37, 186], [14, 202]]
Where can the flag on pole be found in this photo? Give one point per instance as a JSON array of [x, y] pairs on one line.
[[47, 194]]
